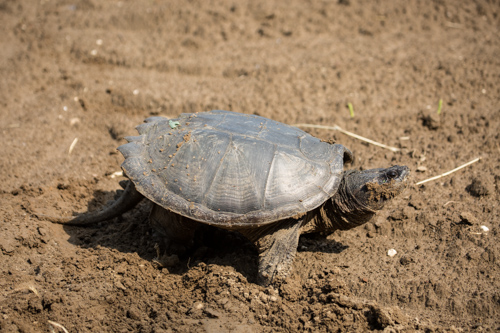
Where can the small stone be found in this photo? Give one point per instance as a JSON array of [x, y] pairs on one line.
[[119, 285], [485, 228], [263, 297], [391, 252], [468, 218], [74, 121], [212, 313], [133, 313], [42, 231], [422, 169]]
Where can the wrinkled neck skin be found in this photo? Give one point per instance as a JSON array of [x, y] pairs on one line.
[[343, 211], [359, 196]]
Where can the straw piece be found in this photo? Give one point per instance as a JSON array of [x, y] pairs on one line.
[[33, 290], [449, 172], [53, 323], [359, 137], [73, 144]]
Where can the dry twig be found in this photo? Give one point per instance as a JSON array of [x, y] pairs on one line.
[[449, 172], [53, 323], [359, 137]]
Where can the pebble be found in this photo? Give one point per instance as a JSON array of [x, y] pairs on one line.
[[392, 252], [133, 314], [263, 297], [212, 313], [74, 121], [469, 218]]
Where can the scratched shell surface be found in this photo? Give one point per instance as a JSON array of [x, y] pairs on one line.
[[231, 169]]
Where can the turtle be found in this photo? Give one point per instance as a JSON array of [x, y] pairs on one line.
[[269, 181]]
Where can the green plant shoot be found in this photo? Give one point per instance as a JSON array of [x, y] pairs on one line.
[[351, 109], [440, 105]]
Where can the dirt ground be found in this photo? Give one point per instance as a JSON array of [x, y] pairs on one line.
[[77, 76]]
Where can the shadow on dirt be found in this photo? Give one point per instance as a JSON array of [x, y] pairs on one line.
[[131, 233]]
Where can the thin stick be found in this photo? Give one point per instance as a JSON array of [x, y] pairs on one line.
[[53, 323], [449, 172], [337, 128]]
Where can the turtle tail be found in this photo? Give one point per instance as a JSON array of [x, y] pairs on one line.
[[128, 200]]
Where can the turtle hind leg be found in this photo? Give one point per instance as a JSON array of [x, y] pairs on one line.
[[277, 246], [176, 231]]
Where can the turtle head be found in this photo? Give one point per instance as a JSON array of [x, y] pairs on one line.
[[360, 195], [372, 188]]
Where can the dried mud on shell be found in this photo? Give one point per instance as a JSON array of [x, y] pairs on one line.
[[88, 72]]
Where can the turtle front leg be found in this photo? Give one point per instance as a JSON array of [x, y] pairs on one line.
[[277, 246], [177, 232]]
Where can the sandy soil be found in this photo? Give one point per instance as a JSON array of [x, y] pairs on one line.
[[83, 74]]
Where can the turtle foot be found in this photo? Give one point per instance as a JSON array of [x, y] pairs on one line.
[[277, 250]]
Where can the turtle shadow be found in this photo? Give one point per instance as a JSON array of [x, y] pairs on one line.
[[131, 233], [128, 233], [317, 242]]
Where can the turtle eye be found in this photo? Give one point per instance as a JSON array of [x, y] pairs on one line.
[[392, 174]]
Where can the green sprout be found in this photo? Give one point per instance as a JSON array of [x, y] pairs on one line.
[[440, 105], [351, 109]]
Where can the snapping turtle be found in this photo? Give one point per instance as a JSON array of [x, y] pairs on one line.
[[267, 180]]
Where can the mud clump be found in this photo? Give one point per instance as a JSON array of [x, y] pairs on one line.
[[431, 121], [384, 191], [478, 188]]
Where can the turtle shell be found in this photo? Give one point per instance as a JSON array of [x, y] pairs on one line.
[[230, 169]]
